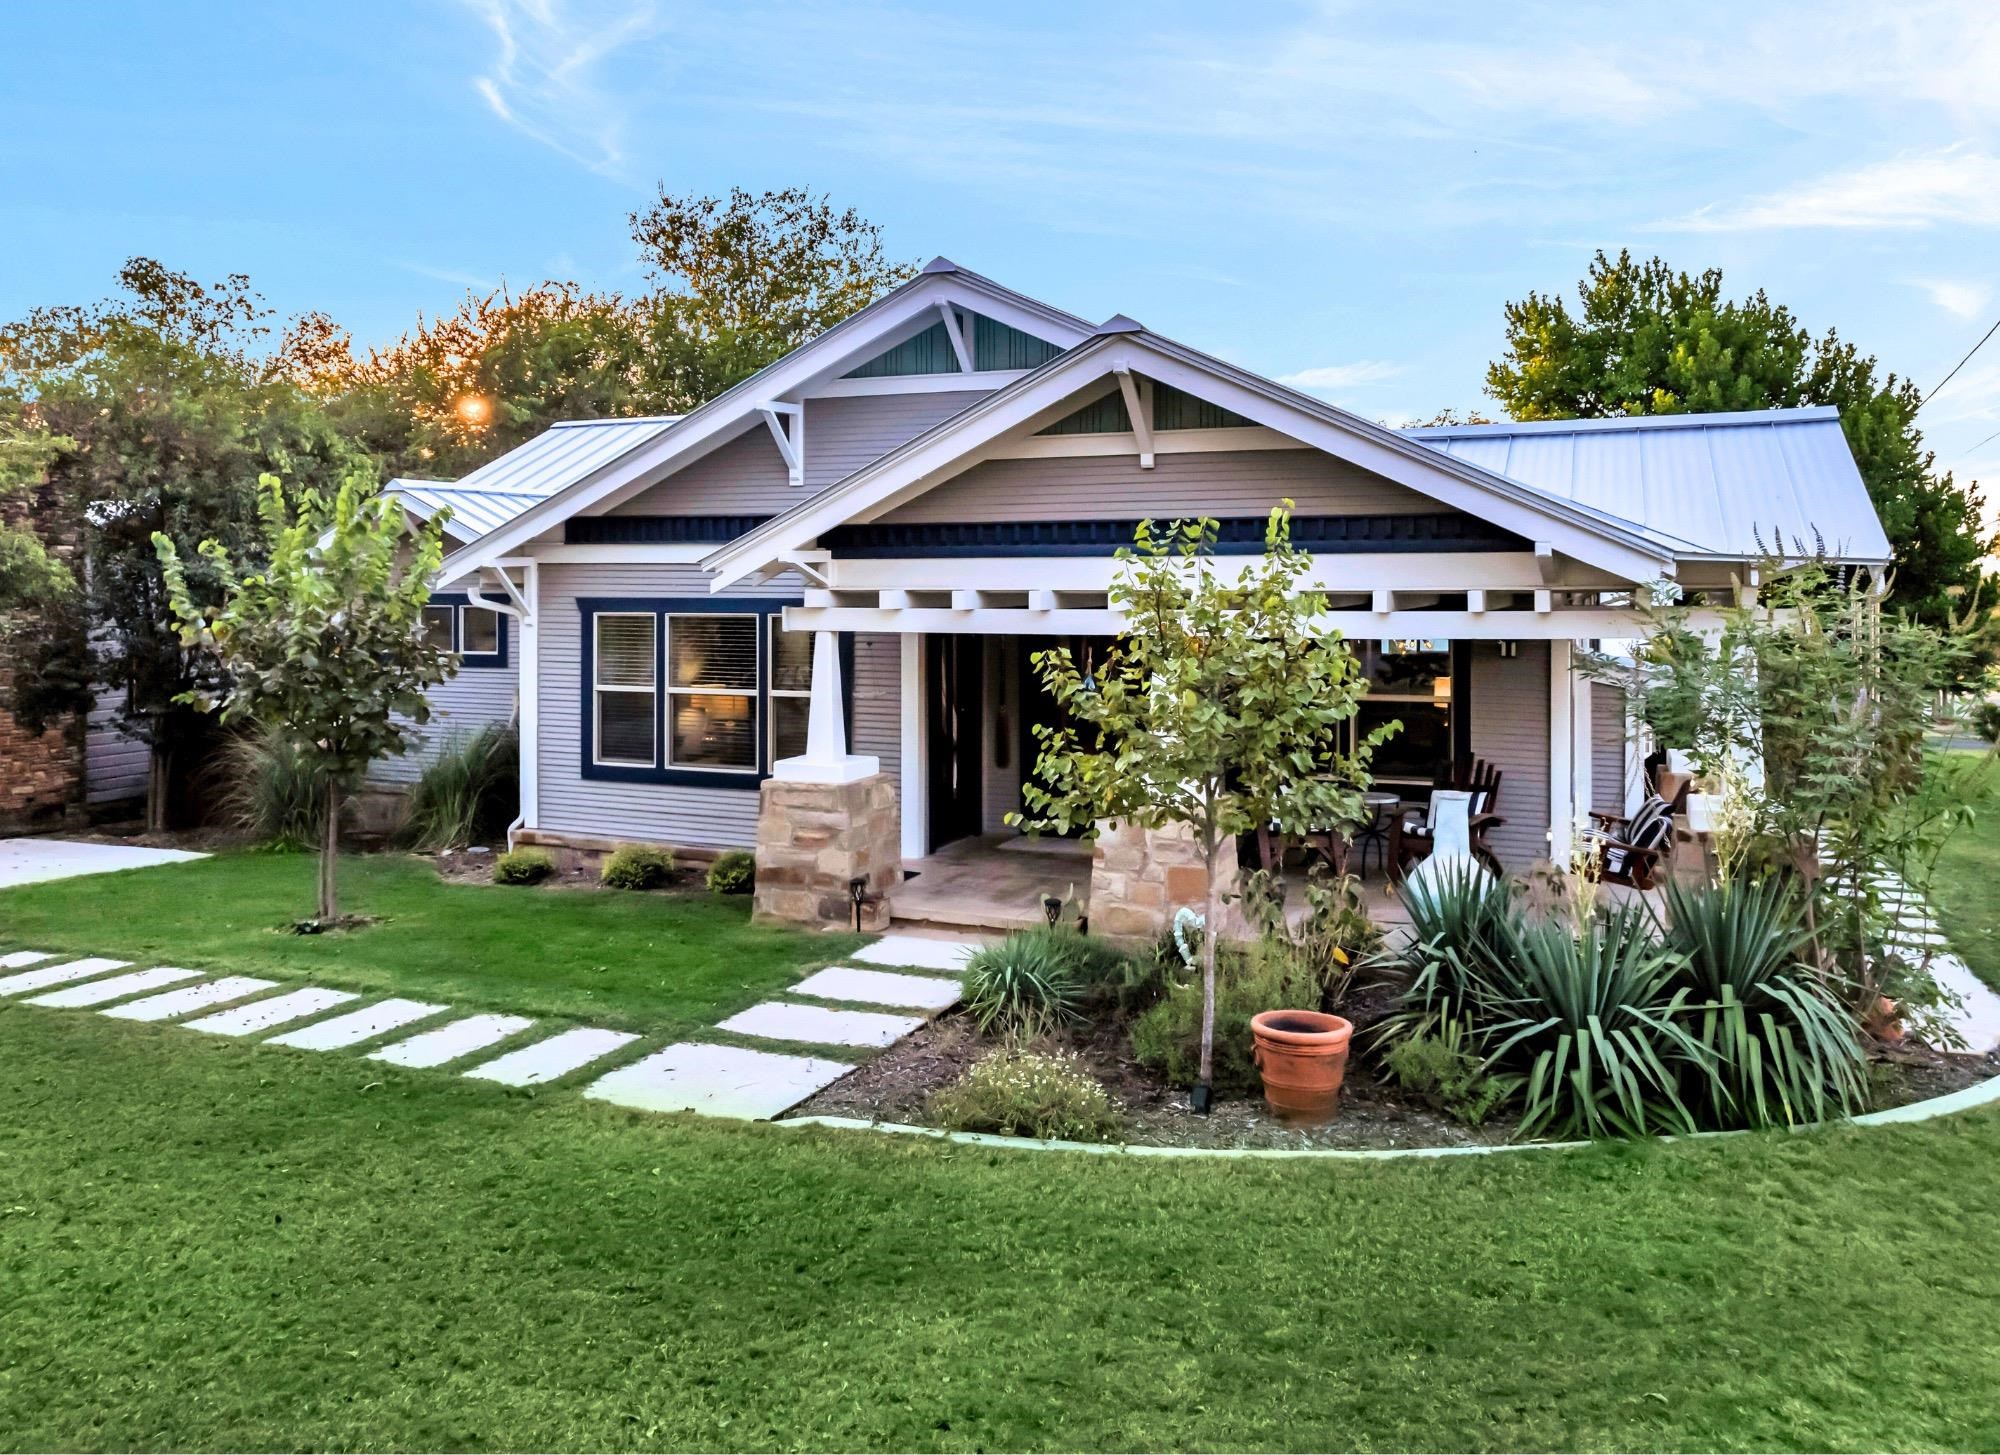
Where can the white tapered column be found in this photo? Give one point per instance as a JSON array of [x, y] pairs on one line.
[[826, 759]]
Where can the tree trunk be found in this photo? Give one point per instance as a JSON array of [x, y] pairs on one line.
[[329, 854], [1208, 939], [159, 773]]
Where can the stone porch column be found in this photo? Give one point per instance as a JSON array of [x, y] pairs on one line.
[[1140, 877], [827, 820]]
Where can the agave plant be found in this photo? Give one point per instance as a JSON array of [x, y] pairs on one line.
[[1781, 1048]]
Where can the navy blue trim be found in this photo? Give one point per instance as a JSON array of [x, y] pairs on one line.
[[657, 530], [1237, 536], [659, 607], [475, 661]]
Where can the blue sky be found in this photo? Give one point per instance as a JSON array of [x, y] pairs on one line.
[[1343, 195]]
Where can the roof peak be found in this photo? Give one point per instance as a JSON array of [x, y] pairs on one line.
[[1119, 323], [939, 264]]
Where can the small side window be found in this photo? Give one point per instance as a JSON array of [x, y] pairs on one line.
[[438, 623], [479, 631]]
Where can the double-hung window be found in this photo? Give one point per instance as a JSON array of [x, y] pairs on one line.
[[791, 690], [626, 688], [712, 691]]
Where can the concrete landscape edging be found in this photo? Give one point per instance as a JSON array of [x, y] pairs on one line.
[[1968, 1098]]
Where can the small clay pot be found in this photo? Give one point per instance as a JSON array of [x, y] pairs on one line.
[[1303, 1057]]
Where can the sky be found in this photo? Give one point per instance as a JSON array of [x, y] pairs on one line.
[[1344, 196]]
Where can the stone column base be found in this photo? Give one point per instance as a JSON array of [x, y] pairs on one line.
[[815, 839], [1140, 877]]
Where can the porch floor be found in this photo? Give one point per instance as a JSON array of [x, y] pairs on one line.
[[978, 884]]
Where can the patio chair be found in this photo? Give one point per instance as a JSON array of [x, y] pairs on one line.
[[1629, 850], [1450, 854], [1416, 835]]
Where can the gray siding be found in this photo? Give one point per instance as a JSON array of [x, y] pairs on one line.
[[1510, 729], [717, 818], [1607, 748], [116, 764], [877, 696], [459, 708], [844, 434], [747, 476], [1113, 487]]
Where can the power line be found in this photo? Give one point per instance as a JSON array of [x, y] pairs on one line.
[[1981, 445], [1960, 364]]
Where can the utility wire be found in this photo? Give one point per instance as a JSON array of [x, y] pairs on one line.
[[1960, 364], [1981, 445]]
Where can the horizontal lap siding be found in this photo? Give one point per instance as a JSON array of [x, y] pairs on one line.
[[459, 708], [116, 764], [843, 434], [1510, 729], [877, 695], [747, 476], [1607, 748], [711, 818], [1113, 487]]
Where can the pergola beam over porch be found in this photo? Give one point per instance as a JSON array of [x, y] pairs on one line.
[[1556, 624]]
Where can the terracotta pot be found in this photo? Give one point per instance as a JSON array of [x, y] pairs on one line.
[[1303, 1057]]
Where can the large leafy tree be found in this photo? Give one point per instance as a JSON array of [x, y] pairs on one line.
[[324, 644], [1645, 339], [1222, 708], [742, 280], [152, 412]]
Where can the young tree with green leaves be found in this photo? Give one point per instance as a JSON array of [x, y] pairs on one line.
[[1648, 340], [325, 644], [1222, 707]]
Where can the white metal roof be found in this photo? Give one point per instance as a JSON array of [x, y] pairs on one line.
[[1737, 485], [497, 492]]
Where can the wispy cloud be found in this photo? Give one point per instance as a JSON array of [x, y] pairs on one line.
[[545, 82], [1964, 298], [1956, 184], [1327, 378], [449, 275]]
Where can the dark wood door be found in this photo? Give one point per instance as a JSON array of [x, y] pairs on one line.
[[1037, 705], [955, 678]]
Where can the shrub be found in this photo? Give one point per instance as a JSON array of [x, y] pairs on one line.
[[1025, 984], [1331, 938], [732, 873], [1168, 1036], [523, 866], [470, 791], [1986, 721], [636, 866], [1441, 1068], [268, 792], [1783, 1049], [1022, 1093]]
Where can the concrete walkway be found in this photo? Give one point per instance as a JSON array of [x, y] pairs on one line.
[[34, 861], [859, 1010]]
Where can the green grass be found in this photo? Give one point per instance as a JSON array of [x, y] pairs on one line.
[[1964, 889], [666, 962], [207, 1245]]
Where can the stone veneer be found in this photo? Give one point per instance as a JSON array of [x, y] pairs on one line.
[[41, 778], [1140, 877], [813, 839]]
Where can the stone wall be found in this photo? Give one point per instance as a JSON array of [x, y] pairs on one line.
[[815, 839], [1140, 877], [41, 778]]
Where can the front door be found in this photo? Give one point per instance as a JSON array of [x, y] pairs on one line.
[[954, 678], [1038, 705]]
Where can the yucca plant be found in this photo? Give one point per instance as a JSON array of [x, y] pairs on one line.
[[469, 791], [1588, 1021], [1458, 920], [1781, 1048], [1024, 985]]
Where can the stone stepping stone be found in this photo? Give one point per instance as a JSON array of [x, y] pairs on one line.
[[61, 974], [189, 998], [21, 959], [914, 951], [717, 1081], [96, 992], [357, 1025], [262, 1015], [880, 987], [448, 1043], [775, 1020], [557, 1056]]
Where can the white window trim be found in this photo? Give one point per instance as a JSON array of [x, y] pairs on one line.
[[458, 631], [598, 689], [755, 693]]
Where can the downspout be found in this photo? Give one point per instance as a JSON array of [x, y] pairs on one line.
[[526, 717]]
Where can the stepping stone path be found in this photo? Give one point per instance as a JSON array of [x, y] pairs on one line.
[[868, 1009], [1974, 1011]]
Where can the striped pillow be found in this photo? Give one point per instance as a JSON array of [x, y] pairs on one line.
[[1651, 825]]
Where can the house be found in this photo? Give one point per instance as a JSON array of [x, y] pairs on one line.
[[799, 617]]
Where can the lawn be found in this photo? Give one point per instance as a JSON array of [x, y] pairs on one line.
[[654, 961], [1967, 885], [209, 1245]]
